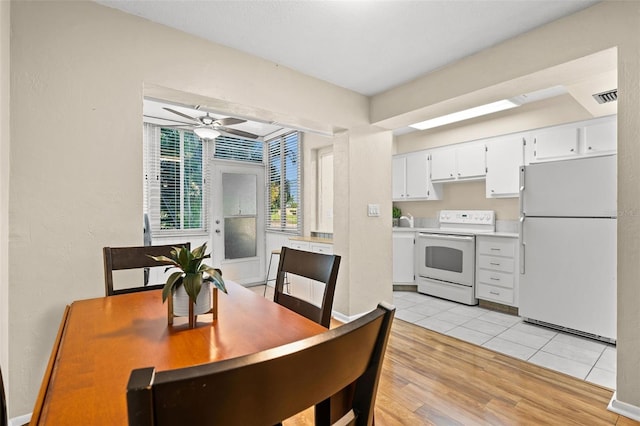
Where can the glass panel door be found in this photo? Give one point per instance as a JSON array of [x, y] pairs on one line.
[[237, 227]]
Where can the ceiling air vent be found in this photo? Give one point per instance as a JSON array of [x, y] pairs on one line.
[[606, 97]]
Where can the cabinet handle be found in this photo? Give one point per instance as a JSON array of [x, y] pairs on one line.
[[495, 249], [589, 148], [572, 149], [492, 263], [494, 279], [495, 293]]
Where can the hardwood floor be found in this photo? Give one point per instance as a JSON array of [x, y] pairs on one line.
[[432, 379]]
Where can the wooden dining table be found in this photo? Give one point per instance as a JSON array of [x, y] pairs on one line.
[[101, 340]]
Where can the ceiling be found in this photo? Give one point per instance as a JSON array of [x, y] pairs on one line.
[[365, 46]]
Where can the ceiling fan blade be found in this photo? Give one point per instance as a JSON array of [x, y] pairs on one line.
[[181, 114], [238, 132], [229, 121]]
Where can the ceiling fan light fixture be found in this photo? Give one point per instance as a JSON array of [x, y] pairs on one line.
[[206, 132]]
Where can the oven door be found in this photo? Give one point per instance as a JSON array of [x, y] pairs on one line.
[[446, 257]]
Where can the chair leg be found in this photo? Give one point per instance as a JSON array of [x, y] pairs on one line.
[[266, 282]]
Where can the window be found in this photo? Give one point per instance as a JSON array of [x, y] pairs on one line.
[[174, 179], [284, 183]]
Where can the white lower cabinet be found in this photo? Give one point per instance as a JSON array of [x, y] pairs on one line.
[[496, 269], [305, 288], [403, 254]]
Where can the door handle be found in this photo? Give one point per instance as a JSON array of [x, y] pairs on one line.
[[522, 243], [217, 231]]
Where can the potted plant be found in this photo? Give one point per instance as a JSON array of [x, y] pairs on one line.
[[396, 215], [186, 283]]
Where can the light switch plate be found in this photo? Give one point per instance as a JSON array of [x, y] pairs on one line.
[[373, 210]]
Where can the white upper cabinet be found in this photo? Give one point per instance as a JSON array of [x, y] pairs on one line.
[[463, 162], [505, 155], [555, 143], [411, 178], [586, 138], [399, 177], [471, 161], [600, 136], [443, 164]]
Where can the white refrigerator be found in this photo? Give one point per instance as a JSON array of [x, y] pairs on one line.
[[568, 245]]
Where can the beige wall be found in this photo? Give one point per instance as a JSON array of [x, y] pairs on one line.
[[564, 40], [4, 185], [78, 75], [362, 176]]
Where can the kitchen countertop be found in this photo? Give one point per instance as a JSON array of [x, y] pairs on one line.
[[448, 231], [313, 239]]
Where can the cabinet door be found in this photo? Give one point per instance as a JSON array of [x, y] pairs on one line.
[[417, 175], [398, 177], [601, 137], [470, 159], [403, 254], [504, 158], [443, 164], [556, 143]]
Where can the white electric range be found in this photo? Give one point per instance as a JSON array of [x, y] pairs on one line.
[[446, 256]]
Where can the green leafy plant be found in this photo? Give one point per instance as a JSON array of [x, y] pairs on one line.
[[192, 272], [396, 213]]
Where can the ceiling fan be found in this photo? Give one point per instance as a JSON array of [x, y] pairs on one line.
[[207, 127]]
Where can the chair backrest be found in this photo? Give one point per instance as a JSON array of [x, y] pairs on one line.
[[269, 386], [118, 258], [316, 266], [3, 403]]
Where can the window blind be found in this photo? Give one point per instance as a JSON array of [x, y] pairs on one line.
[[284, 173], [238, 149], [175, 179]]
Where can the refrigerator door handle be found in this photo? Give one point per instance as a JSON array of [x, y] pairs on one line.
[[521, 190], [522, 243]]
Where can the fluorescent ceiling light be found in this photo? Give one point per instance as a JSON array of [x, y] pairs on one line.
[[206, 132], [465, 114]]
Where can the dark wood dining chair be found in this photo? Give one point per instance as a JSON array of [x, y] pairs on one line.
[[269, 386], [119, 258], [316, 266]]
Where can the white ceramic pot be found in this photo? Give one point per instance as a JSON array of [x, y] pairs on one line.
[[181, 301]]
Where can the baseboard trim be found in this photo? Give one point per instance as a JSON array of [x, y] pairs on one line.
[[623, 408], [346, 318]]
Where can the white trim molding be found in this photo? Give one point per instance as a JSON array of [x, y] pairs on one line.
[[623, 408]]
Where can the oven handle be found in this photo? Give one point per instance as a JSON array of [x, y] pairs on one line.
[[447, 237]]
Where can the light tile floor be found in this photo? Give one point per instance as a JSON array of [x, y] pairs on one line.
[[580, 357]]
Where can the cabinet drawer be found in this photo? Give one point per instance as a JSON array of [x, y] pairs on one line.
[[496, 263], [496, 278], [488, 292], [497, 247], [322, 248], [299, 245]]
